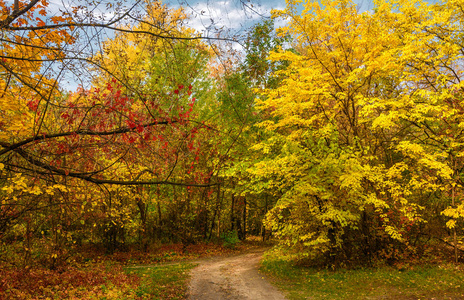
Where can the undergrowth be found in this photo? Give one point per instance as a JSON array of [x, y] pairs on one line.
[[426, 279], [94, 274]]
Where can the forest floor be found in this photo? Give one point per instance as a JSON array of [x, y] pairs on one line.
[[231, 277], [163, 272], [212, 271], [429, 276]]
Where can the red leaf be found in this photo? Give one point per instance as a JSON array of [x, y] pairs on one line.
[[131, 124], [40, 22]]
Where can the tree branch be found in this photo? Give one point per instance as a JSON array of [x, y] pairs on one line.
[[10, 147], [16, 13]]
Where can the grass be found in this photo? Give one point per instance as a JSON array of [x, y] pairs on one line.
[[162, 282], [417, 282], [160, 273]]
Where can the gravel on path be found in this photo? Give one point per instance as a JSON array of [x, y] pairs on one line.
[[231, 278]]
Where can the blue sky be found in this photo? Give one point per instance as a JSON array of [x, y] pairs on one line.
[[235, 15], [238, 14], [231, 17]]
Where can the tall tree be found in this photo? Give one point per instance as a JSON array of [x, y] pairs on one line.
[[68, 159], [350, 144]]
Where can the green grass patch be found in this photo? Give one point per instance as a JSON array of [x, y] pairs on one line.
[[163, 281], [417, 282]]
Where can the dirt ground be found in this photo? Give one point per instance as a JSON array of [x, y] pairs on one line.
[[231, 278]]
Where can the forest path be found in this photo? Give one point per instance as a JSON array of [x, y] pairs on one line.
[[230, 278]]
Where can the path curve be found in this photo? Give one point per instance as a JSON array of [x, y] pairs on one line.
[[231, 278]]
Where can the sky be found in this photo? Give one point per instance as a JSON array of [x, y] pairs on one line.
[[235, 15], [230, 18], [238, 14], [229, 15]]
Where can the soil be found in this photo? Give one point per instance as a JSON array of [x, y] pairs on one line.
[[230, 278]]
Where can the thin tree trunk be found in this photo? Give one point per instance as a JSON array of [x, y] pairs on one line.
[[263, 228], [219, 216], [232, 213], [244, 219], [216, 211], [455, 239], [143, 216]]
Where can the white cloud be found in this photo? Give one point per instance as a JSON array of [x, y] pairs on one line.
[[233, 17], [226, 18]]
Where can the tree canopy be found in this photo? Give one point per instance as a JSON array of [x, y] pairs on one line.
[[364, 135]]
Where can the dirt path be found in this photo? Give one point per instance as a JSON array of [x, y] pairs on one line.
[[230, 278]]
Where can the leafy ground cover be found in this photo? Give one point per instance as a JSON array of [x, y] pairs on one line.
[[92, 274], [160, 273], [88, 281], [429, 280], [163, 273], [162, 282]]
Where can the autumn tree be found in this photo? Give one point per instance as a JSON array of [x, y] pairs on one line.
[[69, 160], [356, 145], [248, 201]]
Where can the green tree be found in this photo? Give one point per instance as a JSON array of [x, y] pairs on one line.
[[247, 201]]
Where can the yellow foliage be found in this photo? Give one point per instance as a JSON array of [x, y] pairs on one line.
[[133, 58], [369, 113]]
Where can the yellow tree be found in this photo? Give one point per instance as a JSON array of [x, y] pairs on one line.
[[352, 147]]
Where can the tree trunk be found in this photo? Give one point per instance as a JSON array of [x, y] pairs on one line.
[[244, 219], [216, 212], [232, 213], [263, 228], [143, 217]]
